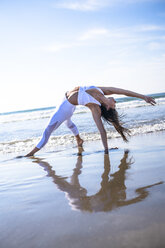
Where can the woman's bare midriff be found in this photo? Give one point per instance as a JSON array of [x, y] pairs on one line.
[[72, 96]]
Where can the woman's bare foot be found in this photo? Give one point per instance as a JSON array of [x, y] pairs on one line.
[[32, 152], [79, 141], [80, 150]]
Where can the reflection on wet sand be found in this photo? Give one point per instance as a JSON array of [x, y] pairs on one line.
[[112, 193]]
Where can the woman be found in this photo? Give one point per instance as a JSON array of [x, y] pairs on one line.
[[100, 106]]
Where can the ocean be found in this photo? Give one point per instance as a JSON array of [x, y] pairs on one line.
[[21, 130]]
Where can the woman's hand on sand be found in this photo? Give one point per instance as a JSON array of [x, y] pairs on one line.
[[106, 151], [150, 100]]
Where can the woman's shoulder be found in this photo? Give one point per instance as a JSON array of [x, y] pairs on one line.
[[95, 108], [106, 90]]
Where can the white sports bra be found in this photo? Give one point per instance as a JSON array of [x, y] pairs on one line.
[[85, 98]]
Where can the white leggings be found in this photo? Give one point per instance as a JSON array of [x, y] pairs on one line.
[[63, 114]]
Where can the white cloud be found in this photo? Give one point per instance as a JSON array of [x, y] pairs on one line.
[[56, 47], [155, 46], [94, 33], [145, 28], [82, 5], [120, 39], [94, 5]]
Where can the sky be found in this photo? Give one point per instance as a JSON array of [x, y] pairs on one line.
[[50, 46]]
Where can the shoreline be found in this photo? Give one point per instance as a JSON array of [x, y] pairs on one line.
[[113, 142], [93, 200]]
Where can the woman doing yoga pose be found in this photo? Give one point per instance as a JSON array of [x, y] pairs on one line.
[[101, 107]]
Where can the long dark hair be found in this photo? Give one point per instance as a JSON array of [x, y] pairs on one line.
[[111, 116]]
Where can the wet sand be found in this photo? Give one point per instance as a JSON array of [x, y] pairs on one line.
[[62, 200]]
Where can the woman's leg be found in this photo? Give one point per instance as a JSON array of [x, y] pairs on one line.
[[45, 137], [75, 131], [63, 113], [72, 126], [47, 133], [56, 120]]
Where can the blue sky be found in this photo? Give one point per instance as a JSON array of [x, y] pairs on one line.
[[48, 47]]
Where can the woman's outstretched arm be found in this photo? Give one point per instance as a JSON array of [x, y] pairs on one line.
[[119, 91]]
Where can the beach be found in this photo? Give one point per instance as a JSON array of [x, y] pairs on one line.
[[59, 199], [83, 91]]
